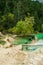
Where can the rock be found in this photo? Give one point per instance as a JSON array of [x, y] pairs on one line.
[[7, 45], [9, 39], [1, 34]]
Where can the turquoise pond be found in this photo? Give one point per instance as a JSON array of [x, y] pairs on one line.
[[26, 40], [20, 40], [34, 47]]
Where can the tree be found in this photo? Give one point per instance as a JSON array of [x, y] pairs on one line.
[[24, 27], [12, 12], [7, 21]]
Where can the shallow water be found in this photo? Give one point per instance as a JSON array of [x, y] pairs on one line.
[[20, 40], [38, 45], [40, 42]]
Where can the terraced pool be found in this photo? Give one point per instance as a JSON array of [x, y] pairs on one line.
[[22, 40], [34, 47]]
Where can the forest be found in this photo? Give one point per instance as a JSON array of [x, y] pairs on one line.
[[21, 16]]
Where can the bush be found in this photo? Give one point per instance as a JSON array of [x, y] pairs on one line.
[[24, 27]]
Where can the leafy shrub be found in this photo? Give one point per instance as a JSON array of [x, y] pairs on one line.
[[24, 27]]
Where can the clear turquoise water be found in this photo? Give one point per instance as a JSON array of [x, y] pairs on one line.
[[39, 36], [34, 47], [21, 40]]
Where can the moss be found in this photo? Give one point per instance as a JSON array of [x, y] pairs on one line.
[[2, 42]]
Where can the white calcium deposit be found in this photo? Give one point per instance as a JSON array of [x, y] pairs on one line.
[[15, 56]]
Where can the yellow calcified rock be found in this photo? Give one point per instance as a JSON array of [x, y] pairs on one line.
[[14, 56], [7, 45]]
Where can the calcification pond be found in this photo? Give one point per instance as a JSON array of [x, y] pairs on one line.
[[21, 51], [40, 42], [22, 40], [34, 47], [25, 41]]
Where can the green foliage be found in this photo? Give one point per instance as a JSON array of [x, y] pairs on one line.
[[21, 17], [42, 27], [24, 27], [7, 21]]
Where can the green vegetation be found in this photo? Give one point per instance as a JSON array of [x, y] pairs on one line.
[[2, 42], [21, 16], [24, 27]]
